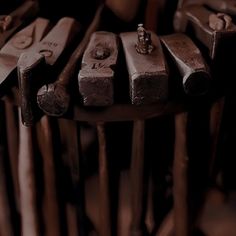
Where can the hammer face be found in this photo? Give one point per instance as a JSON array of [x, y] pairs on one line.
[[96, 77], [148, 75]]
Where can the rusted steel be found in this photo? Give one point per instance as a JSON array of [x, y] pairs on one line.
[[54, 99], [10, 23], [147, 72], [190, 62], [31, 65], [180, 179], [97, 74], [209, 28], [58, 39], [104, 211], [22, 41], [137, 178]]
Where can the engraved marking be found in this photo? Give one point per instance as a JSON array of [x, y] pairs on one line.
[[46, 52], [22, 42]]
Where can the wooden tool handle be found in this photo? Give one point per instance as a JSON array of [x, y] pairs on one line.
[[27, 183]]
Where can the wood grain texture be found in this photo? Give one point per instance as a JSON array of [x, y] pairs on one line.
[[23, 13], [13, 147], [137, 179], [147, 73], [216, 115], [180, 179], [71, 161], [54, 99], [6, 224], [50, 199], [27, 183], [190, 63], [23, 41], [96, 77], [104, 211], [197, 17]]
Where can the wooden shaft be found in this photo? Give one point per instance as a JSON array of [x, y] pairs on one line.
[[27, 183], [137, 176], [50, 201], [105, 218], [6, 225], [180, 176], [216, 114], [167, 227], [60, 96], [29, 68], [70, 158], [13, 147]]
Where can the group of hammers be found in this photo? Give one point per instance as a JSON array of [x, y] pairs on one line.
[[33, 55]]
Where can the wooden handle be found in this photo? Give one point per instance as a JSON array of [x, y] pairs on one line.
[[27, 183], [191, 64], [105, 217], [50, 200], [137, 178], [6, 224], [180, 170]]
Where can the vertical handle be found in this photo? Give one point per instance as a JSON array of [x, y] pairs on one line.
[[137, 176], [180, 176]]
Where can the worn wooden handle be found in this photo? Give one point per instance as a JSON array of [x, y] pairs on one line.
[[27, 183]]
